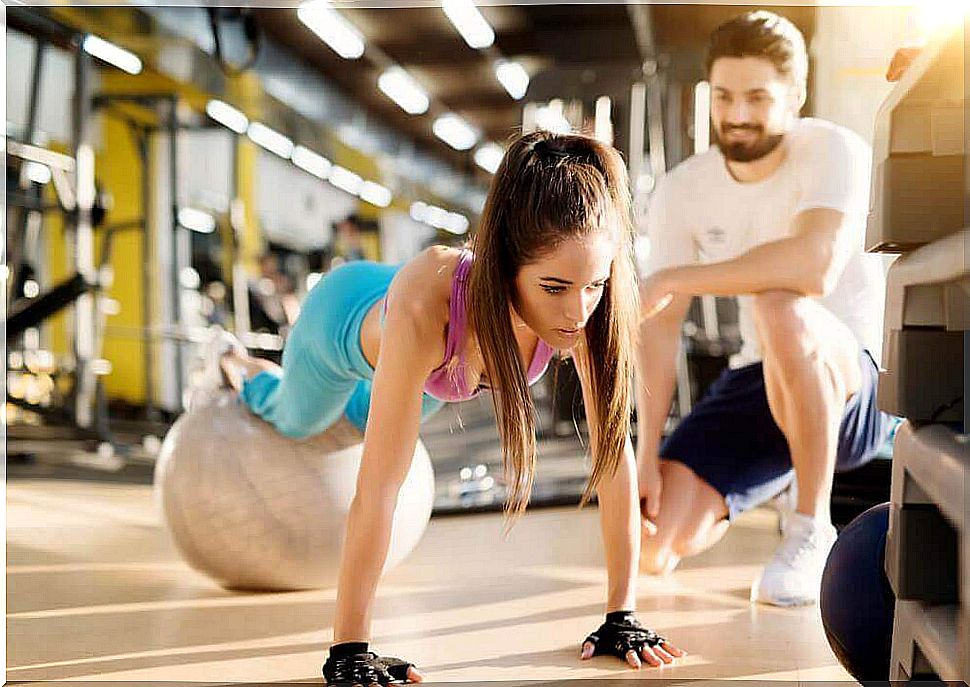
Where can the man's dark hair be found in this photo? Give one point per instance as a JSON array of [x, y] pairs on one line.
[[765, 35]]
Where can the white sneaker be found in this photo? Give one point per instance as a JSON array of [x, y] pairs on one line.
[[785, 503], [794, 575]]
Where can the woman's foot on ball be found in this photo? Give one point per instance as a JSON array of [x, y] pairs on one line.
[[216, 374]]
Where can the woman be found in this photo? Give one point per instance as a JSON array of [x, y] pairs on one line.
[[550, 268]]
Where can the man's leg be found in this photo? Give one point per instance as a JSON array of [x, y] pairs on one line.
[[693, 517], [811, 368], [726, 456]]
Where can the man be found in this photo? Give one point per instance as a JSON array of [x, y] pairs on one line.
[[347, 245], [775, 214]]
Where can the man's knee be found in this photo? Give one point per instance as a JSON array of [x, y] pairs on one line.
[[795, 329], [783, 322], [684, 527], [707, 533], [656, 556], [659, 555]]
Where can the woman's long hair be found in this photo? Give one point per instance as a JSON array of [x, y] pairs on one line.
[[550, 188]]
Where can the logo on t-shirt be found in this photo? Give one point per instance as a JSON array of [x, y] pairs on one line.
[[715, 236]]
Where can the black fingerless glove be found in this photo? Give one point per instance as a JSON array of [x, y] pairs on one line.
[[351, 663], [622, 633]]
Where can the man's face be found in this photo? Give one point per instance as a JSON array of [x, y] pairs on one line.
[[348, 234], [752, 107]]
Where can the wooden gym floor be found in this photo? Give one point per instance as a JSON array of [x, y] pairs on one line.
[[95, 591]]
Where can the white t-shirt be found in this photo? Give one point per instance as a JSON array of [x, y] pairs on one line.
[[700, 213]]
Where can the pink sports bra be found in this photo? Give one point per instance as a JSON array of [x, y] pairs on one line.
[[447, 382]]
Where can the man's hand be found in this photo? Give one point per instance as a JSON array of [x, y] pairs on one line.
[[656, 293], [651, 486], [901, 61]]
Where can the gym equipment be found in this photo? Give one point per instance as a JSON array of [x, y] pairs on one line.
[[242, 22], [919, 191], [80, 203], [256, 510], [856, 601], [29, 313]]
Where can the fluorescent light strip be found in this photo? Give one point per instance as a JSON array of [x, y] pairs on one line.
[[456, 224], [375, 194], [513, 77], [702, 116], [470, 23], [112, 54], [342, 36], [345, 180], [227, 115], [311, 162], [552, 119], [196, 220], [400, 87], [419, 211], [603, 123], [489, 157], [439, 218], [271, 140], [455, 131]]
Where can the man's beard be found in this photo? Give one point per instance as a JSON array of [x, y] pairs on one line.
[[740, 151]]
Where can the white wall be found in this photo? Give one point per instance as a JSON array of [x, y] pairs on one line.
[[205, 169], [56, 91], [401, 237], [851, 50], [294, 207]]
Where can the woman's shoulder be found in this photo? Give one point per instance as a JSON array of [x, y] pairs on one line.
[[424, 282]]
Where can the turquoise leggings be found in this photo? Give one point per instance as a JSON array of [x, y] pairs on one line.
[[325, 373]]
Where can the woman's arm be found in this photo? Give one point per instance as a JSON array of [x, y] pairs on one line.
[[410, 345], [621, 635], [619, 511]]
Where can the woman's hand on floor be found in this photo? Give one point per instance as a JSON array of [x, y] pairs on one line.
[[624, 637]]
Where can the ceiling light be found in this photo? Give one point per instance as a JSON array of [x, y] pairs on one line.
[[271, 140], [513, 77], [398, 85], [455, 131], [342, 36], [311, 162], [112, 54], [419, 211], [489, 157], [552, 119], [375, 194], [196, 220], [345, 180], [603, 122], [470, 23], [227, 115]]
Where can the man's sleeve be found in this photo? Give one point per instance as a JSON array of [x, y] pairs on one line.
[[670, 242], [835, 173]]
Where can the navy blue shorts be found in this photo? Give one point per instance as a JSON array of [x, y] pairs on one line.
[[731, 441]]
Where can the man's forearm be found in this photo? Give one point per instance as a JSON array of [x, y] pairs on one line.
[[791, 264], [656, 377]]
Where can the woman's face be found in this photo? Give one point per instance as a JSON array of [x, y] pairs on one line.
[[556, 294]]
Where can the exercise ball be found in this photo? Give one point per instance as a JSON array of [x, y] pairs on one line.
[[856, 601], [256, 510]]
